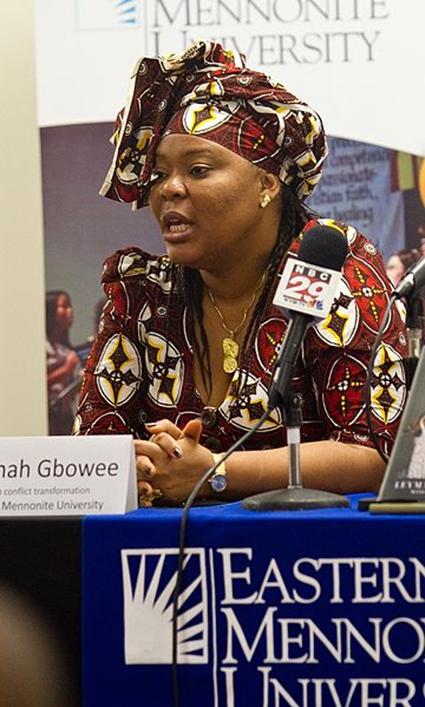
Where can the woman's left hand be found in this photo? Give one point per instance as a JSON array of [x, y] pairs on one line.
[[172, 460]]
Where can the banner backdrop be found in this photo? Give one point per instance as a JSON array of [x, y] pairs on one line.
[[354, 61]]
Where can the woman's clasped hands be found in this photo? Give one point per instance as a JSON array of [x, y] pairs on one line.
[[171, 462]]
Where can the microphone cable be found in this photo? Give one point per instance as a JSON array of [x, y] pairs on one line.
[[368, 392], [182, 544]]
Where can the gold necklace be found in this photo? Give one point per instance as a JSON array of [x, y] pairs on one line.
[[230, 346]]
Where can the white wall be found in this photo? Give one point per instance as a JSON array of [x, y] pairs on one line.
[[22, 348]]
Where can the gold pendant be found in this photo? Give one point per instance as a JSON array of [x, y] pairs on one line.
[[231, 351], [230, 364]]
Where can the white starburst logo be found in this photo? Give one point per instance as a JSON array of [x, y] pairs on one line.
[[149, 577]]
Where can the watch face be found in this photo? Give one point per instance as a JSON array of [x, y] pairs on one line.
[[218, 483]]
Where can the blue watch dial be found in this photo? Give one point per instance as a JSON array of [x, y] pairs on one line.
[[218, 483]]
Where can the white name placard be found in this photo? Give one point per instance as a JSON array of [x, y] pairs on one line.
[[67, 476]]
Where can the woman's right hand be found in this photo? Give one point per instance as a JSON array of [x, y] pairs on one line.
[[172, 460]]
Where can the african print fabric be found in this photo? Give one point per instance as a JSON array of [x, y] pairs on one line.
[[209, 93], [141, 365]]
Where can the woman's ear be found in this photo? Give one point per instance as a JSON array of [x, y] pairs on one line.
[[269, 188]]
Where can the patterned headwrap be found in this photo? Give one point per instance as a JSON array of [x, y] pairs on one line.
[[208, 92]]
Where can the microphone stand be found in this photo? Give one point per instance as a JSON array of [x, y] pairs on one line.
[[295, 496], [414, 311]]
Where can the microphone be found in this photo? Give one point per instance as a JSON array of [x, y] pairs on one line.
[[413, 280], [306, 291]]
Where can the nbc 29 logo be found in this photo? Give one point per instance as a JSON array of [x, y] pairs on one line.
[[107, 14], [307, 284], [307, 288]]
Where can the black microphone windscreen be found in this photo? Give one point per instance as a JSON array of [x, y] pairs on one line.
[[324, 246]]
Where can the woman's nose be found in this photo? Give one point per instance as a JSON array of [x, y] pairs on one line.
[[173, 186]]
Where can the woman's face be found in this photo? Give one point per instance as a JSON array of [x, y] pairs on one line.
[[64, 312], [395, 269], [207, 202]]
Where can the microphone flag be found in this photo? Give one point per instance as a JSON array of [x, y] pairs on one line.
[[307, 288]]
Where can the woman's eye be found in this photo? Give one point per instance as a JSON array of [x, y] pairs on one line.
[[199, 170]]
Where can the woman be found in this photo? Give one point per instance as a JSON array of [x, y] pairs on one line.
[[400, 262], [183, 358], [63, 363]]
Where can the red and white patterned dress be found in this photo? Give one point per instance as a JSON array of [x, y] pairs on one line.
[[141, 365]]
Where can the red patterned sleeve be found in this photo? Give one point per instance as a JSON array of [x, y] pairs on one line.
[[337, 351], [113, 385]]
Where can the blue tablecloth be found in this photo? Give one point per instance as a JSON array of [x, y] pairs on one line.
[[299, 608]]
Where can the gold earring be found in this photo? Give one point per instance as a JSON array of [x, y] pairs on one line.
[[265, 200]]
